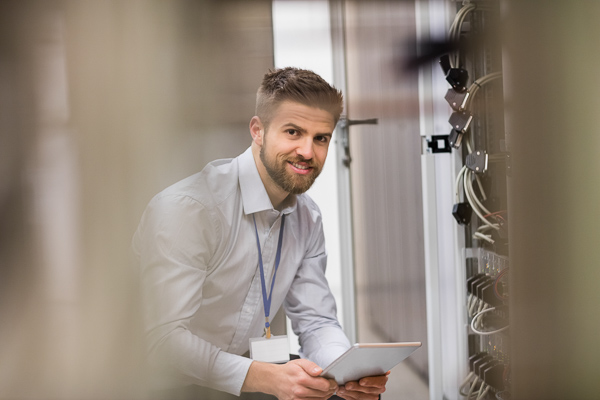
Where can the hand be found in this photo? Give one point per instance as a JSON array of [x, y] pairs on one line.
[[301, 380], [365, 389], [295, 380]]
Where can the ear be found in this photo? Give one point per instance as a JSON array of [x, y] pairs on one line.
[[257, 130]]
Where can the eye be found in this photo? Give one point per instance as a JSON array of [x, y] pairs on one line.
[[322, 139], [292, 132]]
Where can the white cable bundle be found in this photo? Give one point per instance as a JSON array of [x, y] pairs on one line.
[[475, 86], [472, 381], [455, 29], [466, 175]]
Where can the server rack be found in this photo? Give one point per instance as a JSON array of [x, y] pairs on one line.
[[465, 166]]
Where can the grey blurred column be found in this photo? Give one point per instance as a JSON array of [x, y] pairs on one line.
[[552, 89], [102, 105]]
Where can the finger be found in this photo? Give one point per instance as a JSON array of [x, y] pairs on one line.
[[321, 384], [316, 382], [308, 366], [374, 381], [312, 380], [354, 395], [306, 392], [370, 385], [344, 394], [305, 389], [304, 383], [333, 384], [355, 387]]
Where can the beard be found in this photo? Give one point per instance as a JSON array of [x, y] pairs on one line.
[[289, 181]]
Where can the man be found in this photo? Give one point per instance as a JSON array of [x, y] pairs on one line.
[[222, 250]]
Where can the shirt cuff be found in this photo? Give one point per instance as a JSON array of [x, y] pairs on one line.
[[229, 372], [324, 346]]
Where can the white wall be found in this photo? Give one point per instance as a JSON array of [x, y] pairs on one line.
[[302, 38]]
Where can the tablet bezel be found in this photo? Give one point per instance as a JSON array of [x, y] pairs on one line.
[[368, 359]]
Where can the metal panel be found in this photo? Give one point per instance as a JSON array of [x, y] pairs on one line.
[[446, 318]]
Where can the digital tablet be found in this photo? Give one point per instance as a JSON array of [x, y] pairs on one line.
[[368, 359]]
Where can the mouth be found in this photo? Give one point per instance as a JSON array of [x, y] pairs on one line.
[[300, 168]]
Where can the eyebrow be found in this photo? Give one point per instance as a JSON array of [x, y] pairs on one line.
[[296, 127], [300, 129]]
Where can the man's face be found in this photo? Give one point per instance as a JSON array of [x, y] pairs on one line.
[[295, 146]]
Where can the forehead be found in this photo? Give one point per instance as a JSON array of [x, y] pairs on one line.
[[304, 116]]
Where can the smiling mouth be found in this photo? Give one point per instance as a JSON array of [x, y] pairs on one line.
[[302, 167]]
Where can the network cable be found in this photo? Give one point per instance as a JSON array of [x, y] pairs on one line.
[[474, 88], [456, 28], [457, 23], [476, 324], [466, 176], [471, 381]]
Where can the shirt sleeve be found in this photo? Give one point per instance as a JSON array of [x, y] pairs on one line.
[[311, 307], [173, 246]]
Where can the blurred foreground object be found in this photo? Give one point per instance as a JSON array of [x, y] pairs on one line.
[[102, 103]]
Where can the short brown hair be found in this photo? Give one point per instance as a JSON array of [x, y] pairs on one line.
[[298, 85]]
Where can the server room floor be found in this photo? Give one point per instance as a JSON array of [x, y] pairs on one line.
[[404, 383]]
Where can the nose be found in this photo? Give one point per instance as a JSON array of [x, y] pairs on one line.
[[305, 148]]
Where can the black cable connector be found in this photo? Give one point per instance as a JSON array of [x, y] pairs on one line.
[[487, 295], [483, 360], [477, 161], [455, 138], [462, 213], [445, 63], [476, 357], [489, 369], [456, 77], [460, 120], [472, 285], [482, 287], [456, 99], [494, 375], [472, 279]]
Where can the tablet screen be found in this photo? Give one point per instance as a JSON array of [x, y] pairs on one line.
[[368, 359]]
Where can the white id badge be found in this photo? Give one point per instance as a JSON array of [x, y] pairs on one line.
[[273, 350]]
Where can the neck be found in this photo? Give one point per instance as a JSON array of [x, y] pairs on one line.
[[276, 194]]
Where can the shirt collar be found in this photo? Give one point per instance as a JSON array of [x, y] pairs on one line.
[[254, 194]]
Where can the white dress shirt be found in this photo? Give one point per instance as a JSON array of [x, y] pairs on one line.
[[198, 260]]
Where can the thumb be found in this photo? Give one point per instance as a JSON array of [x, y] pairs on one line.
[[309, 367]]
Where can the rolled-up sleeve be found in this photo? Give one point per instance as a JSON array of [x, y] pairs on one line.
[[173, 245]]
